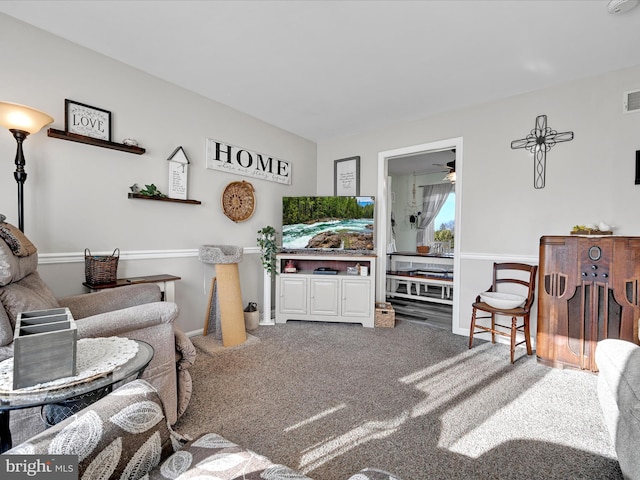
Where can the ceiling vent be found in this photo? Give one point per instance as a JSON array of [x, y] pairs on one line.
[[631, 101]]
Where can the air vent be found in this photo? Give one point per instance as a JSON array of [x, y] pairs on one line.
[[631, 101]]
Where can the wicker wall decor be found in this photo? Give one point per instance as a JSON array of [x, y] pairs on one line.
[[238, 201]]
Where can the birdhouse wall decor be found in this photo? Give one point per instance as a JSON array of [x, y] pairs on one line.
[[178, 174]]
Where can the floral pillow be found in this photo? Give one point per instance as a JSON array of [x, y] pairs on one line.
[[211, 456], [123, 435]]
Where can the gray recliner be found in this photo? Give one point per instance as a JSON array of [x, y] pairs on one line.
[[135, 312]]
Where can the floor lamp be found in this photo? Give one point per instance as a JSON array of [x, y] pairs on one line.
[[21, 121]]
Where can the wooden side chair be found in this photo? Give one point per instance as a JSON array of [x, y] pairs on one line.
[[513, 278]]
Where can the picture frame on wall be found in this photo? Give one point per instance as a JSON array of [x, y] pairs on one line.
[[86, 120], [346, 176], [637, 167]]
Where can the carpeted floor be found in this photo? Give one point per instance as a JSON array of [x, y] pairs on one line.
[[330, 399]]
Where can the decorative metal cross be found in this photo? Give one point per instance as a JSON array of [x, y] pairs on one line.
[[539, 142]]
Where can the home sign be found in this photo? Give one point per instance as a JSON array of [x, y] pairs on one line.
[[241, 161]]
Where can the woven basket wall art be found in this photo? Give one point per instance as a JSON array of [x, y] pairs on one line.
[[238, 201]]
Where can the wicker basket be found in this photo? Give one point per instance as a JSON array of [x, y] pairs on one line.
[[100, 269], [423, 248], [385, 315]]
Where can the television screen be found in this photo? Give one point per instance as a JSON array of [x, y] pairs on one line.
[[321, 223]]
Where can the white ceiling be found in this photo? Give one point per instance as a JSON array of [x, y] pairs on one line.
[[324, 69]]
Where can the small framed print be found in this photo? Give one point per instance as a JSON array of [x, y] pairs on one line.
[[86, 120], [346, 176]]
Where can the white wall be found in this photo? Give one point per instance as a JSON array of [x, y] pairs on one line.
[[402, 188], [502, 216], [76, 194]]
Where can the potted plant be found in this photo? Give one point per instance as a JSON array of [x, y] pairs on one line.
[[268, 248]]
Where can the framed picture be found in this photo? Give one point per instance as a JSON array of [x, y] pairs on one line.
[[637, 167], [346, 176], [86, 120]]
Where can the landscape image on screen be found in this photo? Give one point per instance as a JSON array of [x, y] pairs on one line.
[[327, 223]]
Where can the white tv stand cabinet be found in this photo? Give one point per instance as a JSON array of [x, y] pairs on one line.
[[340, 297]]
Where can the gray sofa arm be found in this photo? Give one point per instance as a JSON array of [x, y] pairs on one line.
[[151, 323], [618, 363], [121, 322], [88, 304]]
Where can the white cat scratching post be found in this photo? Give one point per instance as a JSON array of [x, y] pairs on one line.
[[225, 296]]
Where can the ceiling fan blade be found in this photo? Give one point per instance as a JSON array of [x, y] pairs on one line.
[[450, 165]]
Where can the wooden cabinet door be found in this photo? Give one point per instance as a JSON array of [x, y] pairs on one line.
[[293, 295], [356, 297], [324, 296], [625, 282], [557, 341]]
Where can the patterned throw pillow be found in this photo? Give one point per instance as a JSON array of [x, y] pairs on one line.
[[123, 435], [373, 474], [14, 268], [20, 245], [211, 456]]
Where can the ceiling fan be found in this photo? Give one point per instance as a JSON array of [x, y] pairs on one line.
[[450, 166], [451, 169]]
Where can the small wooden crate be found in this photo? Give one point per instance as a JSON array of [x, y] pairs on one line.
[[385, 315], [44, 347]]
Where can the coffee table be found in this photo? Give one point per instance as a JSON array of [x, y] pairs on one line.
[[70, 398]]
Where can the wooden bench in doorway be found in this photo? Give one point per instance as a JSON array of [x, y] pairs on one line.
[[414, 281]]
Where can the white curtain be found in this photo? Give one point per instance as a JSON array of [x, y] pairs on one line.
[[433, 198]]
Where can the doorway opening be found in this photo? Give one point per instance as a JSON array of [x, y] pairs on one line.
[[399, 232]]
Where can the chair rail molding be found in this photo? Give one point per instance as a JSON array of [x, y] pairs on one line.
[[78, 257], [500, 257]]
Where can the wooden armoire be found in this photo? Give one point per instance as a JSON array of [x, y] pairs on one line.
[[589, 290]]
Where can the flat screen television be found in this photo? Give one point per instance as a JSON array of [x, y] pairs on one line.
[[328, 223]]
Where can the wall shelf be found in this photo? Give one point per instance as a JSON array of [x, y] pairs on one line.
[[163, 199], [96, 142]]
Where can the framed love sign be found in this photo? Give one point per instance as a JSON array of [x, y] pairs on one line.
[[86, 120]]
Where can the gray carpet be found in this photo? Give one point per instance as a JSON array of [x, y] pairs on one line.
[[330, 399]]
